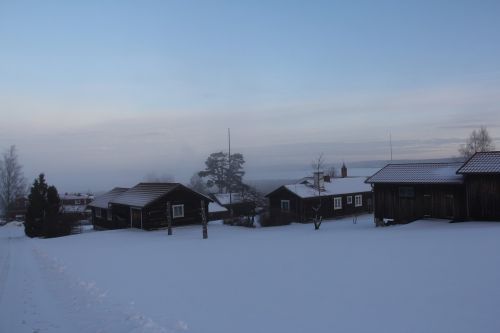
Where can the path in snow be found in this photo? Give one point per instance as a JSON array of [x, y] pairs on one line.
[[38, 295]]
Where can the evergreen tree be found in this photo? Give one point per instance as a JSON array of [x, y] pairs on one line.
[[43, 216], [37, 207], [224, 172]]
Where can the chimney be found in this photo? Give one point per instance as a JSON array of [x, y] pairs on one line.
[[326, 178], [319, 180], [343, 171]]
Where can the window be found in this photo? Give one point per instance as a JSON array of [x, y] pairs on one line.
[[358, 200], [98, 212], [177, 211], [77, 202], [285, 205], [349, 200], [110, 214], [337, 203], [406, 192]]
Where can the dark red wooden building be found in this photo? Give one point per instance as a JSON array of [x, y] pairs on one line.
[[338, 197], [482, 185], [145, 206], [455, 191]]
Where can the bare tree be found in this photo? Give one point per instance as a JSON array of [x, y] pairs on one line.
[[12, 181], [478, 141], [331, 171], [318, 165]]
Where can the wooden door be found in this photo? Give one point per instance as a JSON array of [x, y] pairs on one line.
[[427, 205], [449, 206], [135, 218]]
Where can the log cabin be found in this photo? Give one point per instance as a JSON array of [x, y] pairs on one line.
[[101, 213], [336, 197], [455, 191], [145, 206]]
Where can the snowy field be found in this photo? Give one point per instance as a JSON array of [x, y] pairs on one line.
[[428, 276]]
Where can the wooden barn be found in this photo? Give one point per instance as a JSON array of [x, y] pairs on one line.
[[455, 191], [407, 192], [338, 197], [482, 185], [145, 206]]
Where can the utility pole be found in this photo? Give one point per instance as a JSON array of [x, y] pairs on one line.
[[204, 220], [229, 174]]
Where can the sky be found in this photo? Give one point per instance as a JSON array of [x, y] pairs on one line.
[[98, 94]]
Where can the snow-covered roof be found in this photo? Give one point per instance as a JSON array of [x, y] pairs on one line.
[[143, 194], [418, 173], [482, 162], [224, 199], [72, 196], [336, 186], [102, 201], [214, 207], [74, 208]]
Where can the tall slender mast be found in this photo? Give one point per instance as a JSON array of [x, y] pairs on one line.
[[229, 173], [390, 143]]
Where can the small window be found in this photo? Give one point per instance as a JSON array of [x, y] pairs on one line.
[[98, 212], [406, 192], [337, 203], [109, 214], [358, 200], [177, 211], [77, 202], [285, 205], [349, 200]]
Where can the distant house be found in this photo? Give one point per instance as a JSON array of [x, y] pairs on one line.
[[217, 212], [237, 202], [457, 191], [145, 206], [18, 209], [75, 202], [338, 197]]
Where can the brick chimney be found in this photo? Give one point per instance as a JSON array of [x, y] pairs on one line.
[[327, 178], [343, 171]]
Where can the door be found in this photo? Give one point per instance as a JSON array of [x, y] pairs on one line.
[[427, 205], [135, 218], [449, 204]]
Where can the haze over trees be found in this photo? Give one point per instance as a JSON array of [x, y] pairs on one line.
[[478, 141], [12, 181]]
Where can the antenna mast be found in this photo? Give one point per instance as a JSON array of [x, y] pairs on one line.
[[229, 173], [390, 143]]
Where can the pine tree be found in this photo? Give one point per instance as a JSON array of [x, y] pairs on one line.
[[37, 207], [224, 172], [43, 216]]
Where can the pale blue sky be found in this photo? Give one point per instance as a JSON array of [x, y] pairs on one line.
[[100, 93]]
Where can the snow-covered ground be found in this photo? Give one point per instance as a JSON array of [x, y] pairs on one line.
[[428, 276]]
